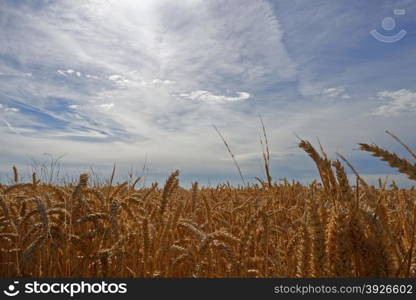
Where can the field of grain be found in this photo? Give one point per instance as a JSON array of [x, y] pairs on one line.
[[331, 228]]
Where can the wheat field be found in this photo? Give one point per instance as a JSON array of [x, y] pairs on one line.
[[330, 228]]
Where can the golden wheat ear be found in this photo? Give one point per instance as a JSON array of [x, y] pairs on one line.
[[402, 164], [412, 153]]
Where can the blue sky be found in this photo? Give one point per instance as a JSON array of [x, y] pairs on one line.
[[143, 81]]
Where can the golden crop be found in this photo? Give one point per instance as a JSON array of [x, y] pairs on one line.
[[333, 229]]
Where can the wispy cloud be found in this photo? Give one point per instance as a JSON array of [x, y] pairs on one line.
[[206, 96], [152, 78], [336, 92], [396, 103]]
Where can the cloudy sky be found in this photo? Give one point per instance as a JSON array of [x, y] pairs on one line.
[[142, 82]]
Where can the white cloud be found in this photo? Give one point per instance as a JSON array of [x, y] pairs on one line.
[[91, 76], [308, 89], [116, 77], [159, 81], [11, 109], [336, 92], [69, 72], [396, 103], [10, 127], [120, 80], [208, 97], [8, 109], [107, 106]]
